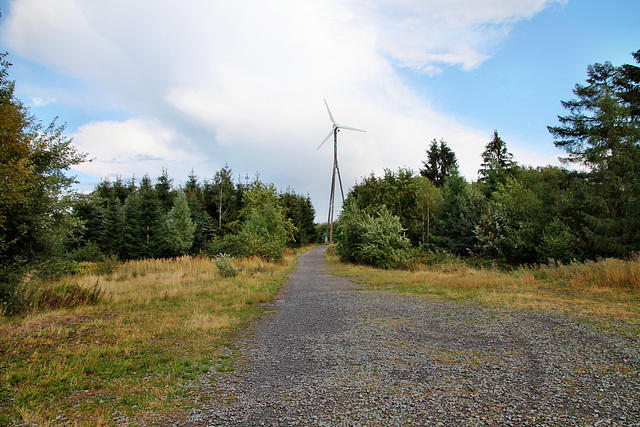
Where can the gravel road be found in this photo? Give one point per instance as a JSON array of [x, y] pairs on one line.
[[332, 355]]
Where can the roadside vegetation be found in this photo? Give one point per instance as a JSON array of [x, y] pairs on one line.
[[605, 291], [138, 348]]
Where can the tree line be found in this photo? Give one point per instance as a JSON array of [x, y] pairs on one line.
[[158, 220], [514, 214]]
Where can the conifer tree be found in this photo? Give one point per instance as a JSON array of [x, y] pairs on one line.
[[497, 164], [441, 163], [143, 223], [602, 133], [180, 227]]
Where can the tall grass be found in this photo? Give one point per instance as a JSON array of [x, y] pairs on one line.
[[609, 287], [158, 325], [611, 273]]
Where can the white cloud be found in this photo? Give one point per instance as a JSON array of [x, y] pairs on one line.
[[242, 82], [41, 102], [132, 147]]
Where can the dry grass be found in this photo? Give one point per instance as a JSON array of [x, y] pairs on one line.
[[160, 324], [606, 288]]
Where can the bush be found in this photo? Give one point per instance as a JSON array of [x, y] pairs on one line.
[[377, 240], [224, 263]]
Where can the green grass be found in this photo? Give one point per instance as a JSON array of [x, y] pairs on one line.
[[159, 326]]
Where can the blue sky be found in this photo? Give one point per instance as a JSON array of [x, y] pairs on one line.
[[195, 84]]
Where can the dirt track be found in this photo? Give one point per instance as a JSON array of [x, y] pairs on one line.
[[331, 354]]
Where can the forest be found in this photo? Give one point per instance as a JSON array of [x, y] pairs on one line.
[[512, 215]]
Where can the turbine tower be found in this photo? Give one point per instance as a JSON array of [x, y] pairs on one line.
[[336, 170]]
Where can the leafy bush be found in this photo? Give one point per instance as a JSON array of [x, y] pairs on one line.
[[559, 244], [224, 263], [377, 240]]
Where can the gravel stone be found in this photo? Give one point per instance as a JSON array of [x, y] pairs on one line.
[[332, 355]]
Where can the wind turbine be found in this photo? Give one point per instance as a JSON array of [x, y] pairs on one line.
[[336, 170]]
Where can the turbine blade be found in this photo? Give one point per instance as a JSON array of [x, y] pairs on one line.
[[349, 128], [325, 140], [329, 111]]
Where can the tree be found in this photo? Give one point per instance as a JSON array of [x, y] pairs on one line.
[[441, 163], [205, 229], [143, 227], [497, 163], [222, 194], [511, 228], [602, 133], [34, 160], [180, 227], [300, 212], [163, 189], [265, 230]]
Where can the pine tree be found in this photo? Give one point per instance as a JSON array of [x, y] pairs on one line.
[[163, 189], [441, 163], [602, 133], [143, 223], [180, 227], [497, 164]]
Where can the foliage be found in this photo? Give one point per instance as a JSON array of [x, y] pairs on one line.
[[373, 239], [497, 164], [300, 212], [224, 264], [602, 133], [510, 228], [461, 207], [34, 220], [180, 226], [265, 230], [143, 226], [412, 199], [441, 163]]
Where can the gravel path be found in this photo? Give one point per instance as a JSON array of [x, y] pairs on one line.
[[333, 355]]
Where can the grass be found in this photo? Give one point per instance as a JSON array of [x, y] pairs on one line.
[[159, 325], [609, 288]]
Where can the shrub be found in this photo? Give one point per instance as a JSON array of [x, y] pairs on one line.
[[224, 263], [377, 240]]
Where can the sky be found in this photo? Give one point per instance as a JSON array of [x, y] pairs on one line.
[[194, 85]]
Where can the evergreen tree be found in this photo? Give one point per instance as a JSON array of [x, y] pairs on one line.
[[441, 163], [462, 206], [163, 189], [265, 229], [180, 227], [602, 132], [497, 163], [205, 228], [143, 228]]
